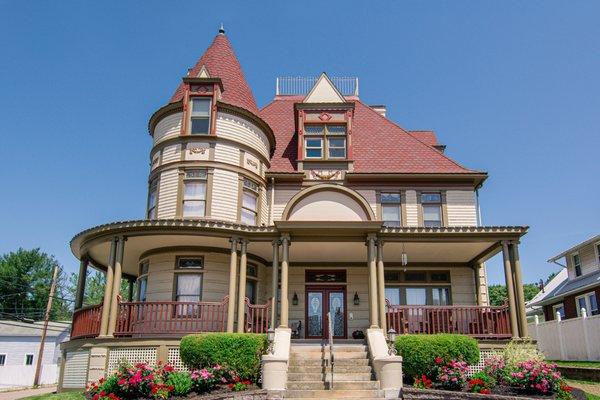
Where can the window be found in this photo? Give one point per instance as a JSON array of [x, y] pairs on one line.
[[152, 198], [558, 308], [194, 193], [577, 264], [587, 301], [143, 280], [251, 290], [188, 287], [432, 209], [332, 136], [392, 295], [249, 202], [200, 119], [418, 295], [28, 359], [2, 359], [415, 276], [440, 296], [598, 253], [390, 209], [190, 263]]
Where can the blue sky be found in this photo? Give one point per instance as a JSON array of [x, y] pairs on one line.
[[512, 88]]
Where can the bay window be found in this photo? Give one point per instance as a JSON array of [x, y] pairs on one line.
[[390, 209], [194, 193], [200, 116], [431, 204], [325, 141], [249, 210]]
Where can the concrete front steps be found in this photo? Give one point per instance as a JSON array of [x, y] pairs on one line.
[[310, 375]]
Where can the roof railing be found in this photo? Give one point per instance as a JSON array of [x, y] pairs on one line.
[[301, 85]]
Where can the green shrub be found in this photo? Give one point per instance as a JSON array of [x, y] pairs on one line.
[[420, 351], [240, 352], [181, 382], [519, 351]]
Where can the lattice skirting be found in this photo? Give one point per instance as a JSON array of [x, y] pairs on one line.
[[130, 355], [175, 360], [483, 356]]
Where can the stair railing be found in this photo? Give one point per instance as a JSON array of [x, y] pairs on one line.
[[330, 340]]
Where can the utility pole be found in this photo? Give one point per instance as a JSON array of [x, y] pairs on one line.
[[38, 367]]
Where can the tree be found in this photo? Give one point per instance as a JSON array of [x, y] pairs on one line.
[[25, 278], [498, 294], [94, 287]]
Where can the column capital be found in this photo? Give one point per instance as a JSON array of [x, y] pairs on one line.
[[285, 238], [234, 240], [514, 242], [276, 242], [379, 242], [371, 238], [244, 243]]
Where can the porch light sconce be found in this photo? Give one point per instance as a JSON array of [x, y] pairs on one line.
[[271, 340], [356, 299], [295, 299], [392, 342]]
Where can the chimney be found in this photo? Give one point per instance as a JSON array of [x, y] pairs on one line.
[[380, 108]]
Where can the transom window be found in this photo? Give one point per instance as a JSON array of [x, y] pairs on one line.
[[417, 276], [194, 193], [200, 116], [432, 209], [152, 199], [390, 209], [325, 141], [589, 302], [577, 264], [249, 209]]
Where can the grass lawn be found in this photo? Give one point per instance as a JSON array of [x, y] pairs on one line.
[[589, 364], [592, 389], [57, 396]]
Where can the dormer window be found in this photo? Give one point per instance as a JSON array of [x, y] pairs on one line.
[[200, 116], [325, 141]]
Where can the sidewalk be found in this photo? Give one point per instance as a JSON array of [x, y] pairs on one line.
[[19, 394]]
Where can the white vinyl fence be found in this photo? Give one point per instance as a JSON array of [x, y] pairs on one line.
[[571, 339]]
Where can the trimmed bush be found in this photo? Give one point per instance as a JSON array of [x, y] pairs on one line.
[[181, 381], [419, 352], [239, 352]]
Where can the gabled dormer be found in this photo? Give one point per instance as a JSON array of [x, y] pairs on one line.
[[324, 129]]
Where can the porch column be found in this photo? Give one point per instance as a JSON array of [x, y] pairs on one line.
[[116, 287], [108, 287], [381, 286], [510, 290], [477, 272], [275, 282], [518, 282], [241, 309], [79, 294], [232, 284], [373, 315], [285, 254]]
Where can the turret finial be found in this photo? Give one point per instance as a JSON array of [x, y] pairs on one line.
[[221, 29]]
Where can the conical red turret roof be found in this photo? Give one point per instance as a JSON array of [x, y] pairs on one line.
[[221, 62]]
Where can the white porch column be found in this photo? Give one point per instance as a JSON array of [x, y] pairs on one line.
[[80, 293], [232, 284], [381, 286], [275, 282], [510, 290], [285, 244], [108, 287], [241, 309], [520, 295], [373, 315], [116, 287]]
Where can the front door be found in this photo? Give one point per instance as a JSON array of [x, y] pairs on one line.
[[320, 301]]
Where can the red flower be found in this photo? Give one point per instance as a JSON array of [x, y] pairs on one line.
[[439, 360], [247, 382], [485, 391], [122, 381]]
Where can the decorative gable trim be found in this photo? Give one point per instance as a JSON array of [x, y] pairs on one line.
[[324, 91]]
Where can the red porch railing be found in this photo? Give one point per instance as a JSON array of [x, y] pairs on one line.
[[141, 318], [257, 317], [482, 322], [86, 322]]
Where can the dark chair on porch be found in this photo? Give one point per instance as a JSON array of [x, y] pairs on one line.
[[296, 329]]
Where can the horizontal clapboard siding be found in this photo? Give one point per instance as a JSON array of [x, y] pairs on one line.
[[371, 198], [463, 286], [264, 207], [461, 206], [167, 194], [238, 129], [412, 209], [76, 368], [225, 195], [171, 154], [227, 153], [169, 126], [282, 197]]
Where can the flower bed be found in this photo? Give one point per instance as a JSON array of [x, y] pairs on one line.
[[163, 382]]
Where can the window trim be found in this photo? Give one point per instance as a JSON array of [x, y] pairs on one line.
[[324, 137], [575, 266], [399, 204], [192, 116], [256, 192], [422, 206], [588, 303], [186, 179]]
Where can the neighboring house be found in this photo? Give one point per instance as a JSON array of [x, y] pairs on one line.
[[315, 203], [581, 289], [19, 347], [547, 290]]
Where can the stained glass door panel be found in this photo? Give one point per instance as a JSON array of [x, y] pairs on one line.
[[337, 310], [315, 314]]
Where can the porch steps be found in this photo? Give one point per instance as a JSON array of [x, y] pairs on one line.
[[310, 376]]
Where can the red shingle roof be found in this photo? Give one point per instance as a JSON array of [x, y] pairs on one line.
[[221, 62], [379, 145], [425, 136]]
